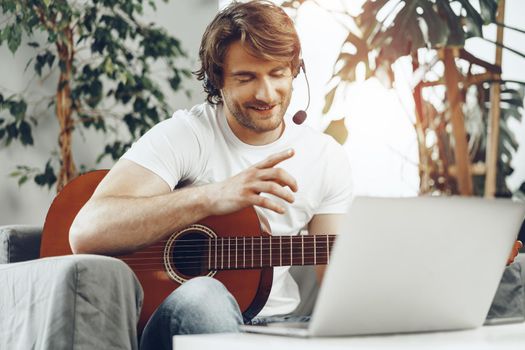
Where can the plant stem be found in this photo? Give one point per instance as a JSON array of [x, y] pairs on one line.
[[461, 155], [491, 156], [64, 112]]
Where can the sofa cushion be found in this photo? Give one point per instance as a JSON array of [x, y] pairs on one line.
[[509, 300], [69, 302], [19, 243]]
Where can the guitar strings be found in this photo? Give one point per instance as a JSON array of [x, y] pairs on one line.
[[257, 241], [232, 249], [161, 266], [272, 238], [232, 257]]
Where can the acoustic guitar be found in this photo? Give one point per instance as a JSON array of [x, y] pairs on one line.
[[236, 249]]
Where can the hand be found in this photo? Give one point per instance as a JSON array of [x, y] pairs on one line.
[[245, 188], [515, 250]]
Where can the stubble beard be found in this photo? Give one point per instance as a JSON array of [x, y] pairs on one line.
[[241, 114]]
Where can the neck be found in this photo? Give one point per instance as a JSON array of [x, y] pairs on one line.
[[226, 253]]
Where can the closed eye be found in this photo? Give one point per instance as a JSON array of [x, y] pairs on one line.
[[243, 78], [278, 73]]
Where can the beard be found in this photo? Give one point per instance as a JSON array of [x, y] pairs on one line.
[[255, 121]]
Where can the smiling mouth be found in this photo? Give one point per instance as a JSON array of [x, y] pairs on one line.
[[262, 108]]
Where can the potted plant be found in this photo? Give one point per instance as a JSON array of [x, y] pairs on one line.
[[103, 59]]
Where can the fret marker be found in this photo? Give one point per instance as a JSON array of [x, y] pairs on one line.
[[315, 250], [270, 241], [260, 248], [302, 249], [291, 252], [327, 251], [280, 250]]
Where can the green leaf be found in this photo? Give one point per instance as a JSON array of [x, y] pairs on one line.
[[25, 133], [473, 18], [437, 28], [329, 99], [131, 122], [14, 37], [50, 59], [18, 109], [488, 10], [47, 177], [28, 63], [175, 81], [52, 37], [12, 131], [337, 129], [95, 92], [456, 37], [42, 59], [139, 105], [22, 180]]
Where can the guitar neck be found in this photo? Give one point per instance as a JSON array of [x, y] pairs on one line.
[[227, 253]]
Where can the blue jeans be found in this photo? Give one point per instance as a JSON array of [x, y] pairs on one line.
[[201, 305]]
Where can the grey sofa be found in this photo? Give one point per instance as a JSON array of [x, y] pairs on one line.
[[69, 302], [93, 302]]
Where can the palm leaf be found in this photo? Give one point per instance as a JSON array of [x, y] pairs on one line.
[[488, 9]]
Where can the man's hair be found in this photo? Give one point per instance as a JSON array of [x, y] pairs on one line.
[[264, 29]]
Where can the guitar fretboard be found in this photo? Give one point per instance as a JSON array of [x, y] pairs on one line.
[[226, 253]]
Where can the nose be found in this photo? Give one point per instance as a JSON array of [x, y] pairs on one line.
[[266, 91]]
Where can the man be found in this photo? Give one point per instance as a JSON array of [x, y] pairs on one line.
[[237, 150]]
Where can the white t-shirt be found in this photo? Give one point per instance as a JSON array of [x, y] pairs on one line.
[[198, 146]]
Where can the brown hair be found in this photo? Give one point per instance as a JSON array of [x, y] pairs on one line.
[[266, 29]]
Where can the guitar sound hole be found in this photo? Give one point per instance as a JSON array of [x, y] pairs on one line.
[[189, 254]]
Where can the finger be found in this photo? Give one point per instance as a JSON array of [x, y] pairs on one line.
[[267, 203], [274, 189], [281, 176], [275, 159]]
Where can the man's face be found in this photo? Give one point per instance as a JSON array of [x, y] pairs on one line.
[[256, 94]]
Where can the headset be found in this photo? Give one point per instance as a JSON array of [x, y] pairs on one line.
[[300, 116]]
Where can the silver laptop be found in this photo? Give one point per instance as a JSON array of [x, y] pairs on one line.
[[412, 265]]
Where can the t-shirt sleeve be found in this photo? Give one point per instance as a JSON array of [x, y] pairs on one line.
[[337, 182], [170, 149]]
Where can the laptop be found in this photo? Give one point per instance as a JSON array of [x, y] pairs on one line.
[[403, 265]]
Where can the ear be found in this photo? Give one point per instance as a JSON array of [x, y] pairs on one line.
[[301, 66]]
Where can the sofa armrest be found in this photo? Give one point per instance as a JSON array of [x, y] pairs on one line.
[[509, 299], [19, 243], [69, 302]]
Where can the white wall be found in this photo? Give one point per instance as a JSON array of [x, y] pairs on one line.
[[186, 20]]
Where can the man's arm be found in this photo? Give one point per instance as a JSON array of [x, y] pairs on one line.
[[132, 207], [324, 224]]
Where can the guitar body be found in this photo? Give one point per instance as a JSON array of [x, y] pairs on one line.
[[165, 265]]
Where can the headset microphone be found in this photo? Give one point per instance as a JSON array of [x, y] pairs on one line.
[[300, 116]]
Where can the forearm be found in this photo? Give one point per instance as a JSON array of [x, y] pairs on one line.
[[324, 224], [120, 224]]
